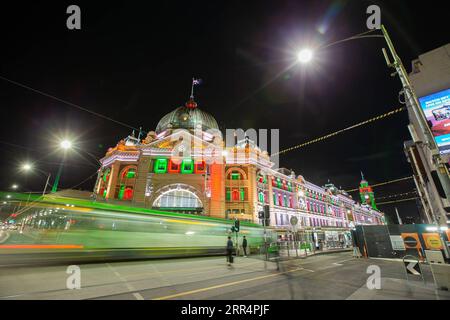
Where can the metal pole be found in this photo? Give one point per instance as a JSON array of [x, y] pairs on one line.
[[46, 183], [442, 171]]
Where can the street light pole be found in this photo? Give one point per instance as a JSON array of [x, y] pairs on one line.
[[58, 176], [46, 184], [409, 92]]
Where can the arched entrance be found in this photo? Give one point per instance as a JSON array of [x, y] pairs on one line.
[[180, 198]]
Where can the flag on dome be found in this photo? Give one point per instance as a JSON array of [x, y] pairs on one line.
[[196, 81]]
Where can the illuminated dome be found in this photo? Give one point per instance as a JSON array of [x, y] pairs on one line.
[[187, 117]]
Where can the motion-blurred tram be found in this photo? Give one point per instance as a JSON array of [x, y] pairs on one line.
[[59, 233]]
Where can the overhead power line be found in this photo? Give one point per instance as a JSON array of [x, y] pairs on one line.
[[396, 195], [384, 183], [67, 103], [382, 116], [396, 201]]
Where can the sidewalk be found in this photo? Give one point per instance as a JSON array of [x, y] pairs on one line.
[[304, 253], [400, 289]]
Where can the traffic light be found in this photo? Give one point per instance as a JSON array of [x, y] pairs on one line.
[[266, 211], [266, 215], [236, 225]]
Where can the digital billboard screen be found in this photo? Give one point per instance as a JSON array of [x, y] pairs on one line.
[[436, 107]]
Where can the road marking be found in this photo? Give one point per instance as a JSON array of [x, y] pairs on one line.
[[223, 285], [206, 269], [339, 263], [130, 288], [138, 296]]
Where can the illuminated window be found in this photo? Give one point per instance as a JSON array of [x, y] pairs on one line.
[[106, 175], [160, 166], [261, 196], [178, 198], [128, 193], [242, 194], [235, 176], [121, 192], [228, 195], [174, 166], [129, 173], [187, 166], [200, 167], [235, 195]]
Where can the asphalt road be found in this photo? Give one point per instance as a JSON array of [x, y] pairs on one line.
[[330, 276]]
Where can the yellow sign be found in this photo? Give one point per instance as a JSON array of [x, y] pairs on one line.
[[432, 241]]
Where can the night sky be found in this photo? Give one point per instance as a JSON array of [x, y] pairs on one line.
[[134, 62]]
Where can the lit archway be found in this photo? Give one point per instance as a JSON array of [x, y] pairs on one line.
[[179, 197]]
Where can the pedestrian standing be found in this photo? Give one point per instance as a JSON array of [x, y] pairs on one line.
[[244, 246], [229, 251]]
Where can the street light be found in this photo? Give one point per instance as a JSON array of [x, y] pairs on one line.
[[14, 186], [27, 167], [305, 55], [65, 144]]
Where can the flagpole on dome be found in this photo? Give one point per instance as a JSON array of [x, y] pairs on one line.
[[192, 89], [191, 103]]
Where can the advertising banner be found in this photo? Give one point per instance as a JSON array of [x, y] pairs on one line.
[[411, 240], [432, 241], [436, 108], [397, 243]]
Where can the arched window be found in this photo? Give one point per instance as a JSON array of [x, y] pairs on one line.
[[127, 177], [129, 173], [178, 198]]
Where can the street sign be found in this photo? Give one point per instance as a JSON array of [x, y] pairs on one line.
[[397, 243], [412, 267]]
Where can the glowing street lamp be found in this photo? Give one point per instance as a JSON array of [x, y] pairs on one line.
[[27, 167], [305, 55], [14, 186], [66, 144]]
